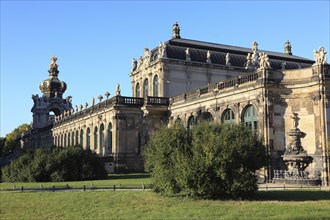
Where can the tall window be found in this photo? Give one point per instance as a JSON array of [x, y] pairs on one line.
[[88, 138], [137, 90], [205, 116], [145, 88], [82, 138], [251, 118], [191, 123], [155, 86], [110, 138], [228, 116], [69, 139], [102, 147], [76, 139], [72, 139], [64, 144], [95, 138]]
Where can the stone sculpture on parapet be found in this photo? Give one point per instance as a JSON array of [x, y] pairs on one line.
[[319, 56]]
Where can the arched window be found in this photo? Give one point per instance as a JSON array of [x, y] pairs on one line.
[[137, 90], [191, 123], [110, 138], [82, 138], [228, 116], [95, 138], [205, 116], [88, 138], [251, 118], [145, 88], [102, 147], [155, 86], [76, 139]]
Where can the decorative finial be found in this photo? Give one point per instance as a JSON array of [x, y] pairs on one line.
[[53, 62], [176, 30], [107, 94], [287, 47]]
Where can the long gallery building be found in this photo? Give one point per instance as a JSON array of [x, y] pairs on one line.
[[186, 81]]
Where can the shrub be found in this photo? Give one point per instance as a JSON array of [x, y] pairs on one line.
[[212, 161], [54, 164]]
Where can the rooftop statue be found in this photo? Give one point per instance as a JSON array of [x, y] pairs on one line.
[[187, 54], [134, 64], [176, 30], [254, 46], [287, 48], [228, 59], [319, 56], [208, 57], [264, 61], [162, 50], [118, 90]]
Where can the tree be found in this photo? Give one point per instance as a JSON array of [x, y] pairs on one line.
[[212, 161], [11, 142]]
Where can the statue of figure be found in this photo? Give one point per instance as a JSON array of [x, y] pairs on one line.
[[76, 108], [140, 62], [146, 56], [264, 61], [254, 46], [53, 62], [249, 61], [319, 56], [100, 97], [81, 107], [295, 120], [287, 47], [118, 90], [228, 60], [208, 57], [162, 50], [93, 101], [86, 105], [255, 59], [69, 99], [134, 64], [176, 30]]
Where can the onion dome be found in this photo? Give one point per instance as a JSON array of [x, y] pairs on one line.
[[53, 87]]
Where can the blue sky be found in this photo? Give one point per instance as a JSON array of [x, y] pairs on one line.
[[95, 41]]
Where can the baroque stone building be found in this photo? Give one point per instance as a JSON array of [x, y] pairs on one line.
[[186, 81]]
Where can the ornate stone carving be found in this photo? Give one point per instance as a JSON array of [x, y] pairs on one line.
[[100, 97], [86, 105], [319, 56], [287, 47], [264, 61], [176, 30], [81, 107], [93, 101]]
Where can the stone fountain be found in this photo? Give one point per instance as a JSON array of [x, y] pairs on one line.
[[296, 160]]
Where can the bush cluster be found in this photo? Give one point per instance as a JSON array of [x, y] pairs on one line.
[[211, 161], [54, 164]]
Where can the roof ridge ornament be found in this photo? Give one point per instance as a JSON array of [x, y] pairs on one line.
[[53, 67], [176, 31], [287, 47]]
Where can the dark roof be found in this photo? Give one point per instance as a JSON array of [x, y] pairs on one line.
[[175, 49]]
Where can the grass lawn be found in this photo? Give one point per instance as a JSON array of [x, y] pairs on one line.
[[284, 204], [148, 205]]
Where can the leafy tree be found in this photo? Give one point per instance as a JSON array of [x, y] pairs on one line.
[[212, 161], [10, 142]]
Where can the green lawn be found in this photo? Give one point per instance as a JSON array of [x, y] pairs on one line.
[[148, 205], [285, 204]]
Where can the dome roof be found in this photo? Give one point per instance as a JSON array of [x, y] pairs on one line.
[[53, 87]]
